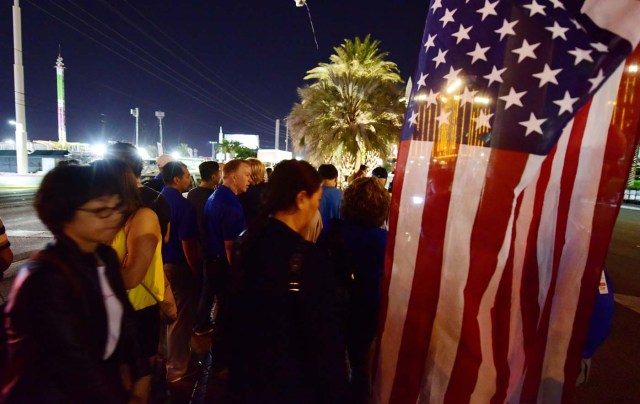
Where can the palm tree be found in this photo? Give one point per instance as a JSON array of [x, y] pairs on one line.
[[353, 108]]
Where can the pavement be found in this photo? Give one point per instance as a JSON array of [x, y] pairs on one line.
[[614, 376]]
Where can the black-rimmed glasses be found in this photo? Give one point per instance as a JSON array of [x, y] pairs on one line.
[[105, 211]]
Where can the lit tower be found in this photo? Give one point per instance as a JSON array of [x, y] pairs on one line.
[[62, 126]]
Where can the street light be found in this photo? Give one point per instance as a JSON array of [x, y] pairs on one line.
[[11, 122], [136, 113], [213, 149], [160, 115]]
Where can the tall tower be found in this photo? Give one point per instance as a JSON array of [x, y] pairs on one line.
[[62, 125]]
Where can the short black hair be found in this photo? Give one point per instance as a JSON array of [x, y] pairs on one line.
[[128, 153], [328, 172], [207, 169], [380, 172], [65, 188], [171, 170], [363, 167]]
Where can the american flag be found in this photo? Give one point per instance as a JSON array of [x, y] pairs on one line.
[[518, 136]]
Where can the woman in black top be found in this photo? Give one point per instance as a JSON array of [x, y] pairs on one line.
[[284, 340], [69, 323]]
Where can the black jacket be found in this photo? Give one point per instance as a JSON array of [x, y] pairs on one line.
[[285, 345], [57, 328]]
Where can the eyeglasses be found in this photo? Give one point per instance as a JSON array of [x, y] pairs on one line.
[[105, 211]]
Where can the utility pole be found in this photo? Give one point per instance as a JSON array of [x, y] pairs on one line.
[[213, 149], [160, 115], [286, 138], [136, 113], [220, 136], [62, 120], [277, 134], [22, 161]]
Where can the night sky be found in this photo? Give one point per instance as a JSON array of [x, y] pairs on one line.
[[205, 63]]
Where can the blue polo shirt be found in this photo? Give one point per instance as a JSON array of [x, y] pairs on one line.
[[224, 219], [330, 204], [184, 226]]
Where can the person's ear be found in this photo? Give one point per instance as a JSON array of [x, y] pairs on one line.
[[301, 199]]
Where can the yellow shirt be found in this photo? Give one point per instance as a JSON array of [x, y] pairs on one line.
[[153, 279]]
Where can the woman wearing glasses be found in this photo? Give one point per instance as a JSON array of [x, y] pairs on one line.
[[68, 320]]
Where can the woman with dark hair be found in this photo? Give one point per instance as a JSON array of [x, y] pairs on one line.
[[283, 332], [69, 323], [356, 245]]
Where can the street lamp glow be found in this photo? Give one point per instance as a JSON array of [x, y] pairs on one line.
[[10, 141], [143, 154], [99, 149], [175, 155], [11, 122]]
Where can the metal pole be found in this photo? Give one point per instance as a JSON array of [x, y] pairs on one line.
[[286, 138], [277, 134], [160, 115], [62, 126], [136, 113], [22, 162]]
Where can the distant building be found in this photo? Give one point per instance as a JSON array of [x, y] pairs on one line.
[[250, 141]]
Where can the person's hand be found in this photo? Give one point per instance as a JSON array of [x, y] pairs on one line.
[[141, 390]]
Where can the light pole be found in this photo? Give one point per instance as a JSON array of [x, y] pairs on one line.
[[160, 115], [136, 113], [213, 149]]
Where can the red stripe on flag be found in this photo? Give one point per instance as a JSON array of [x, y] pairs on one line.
[[536, 354], [501, 318], [490, 227], [425, 289]]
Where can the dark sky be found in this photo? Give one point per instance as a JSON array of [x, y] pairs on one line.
[[205, 63]]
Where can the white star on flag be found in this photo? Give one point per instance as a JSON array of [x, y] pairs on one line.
[[535, 8], [478, 53], [600, 47], [557, 4], [452, 76], [566, 103], [463, 33], [421, 81], [413, 119], [513, 98], [482, 120], [432, 98], [443, 118], [506, 29], [580, 55], [577, 24], [488, 9], [533, 124], [557, 31], [430, 42], [547, 75], [440, 58], [595, 82], [526, 50], [448, 16], [467, 96], [436, 5], [495, 75]]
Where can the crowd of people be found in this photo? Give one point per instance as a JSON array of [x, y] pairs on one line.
[[280, 267]]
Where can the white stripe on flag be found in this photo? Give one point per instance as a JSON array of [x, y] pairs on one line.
[[516, 338], [577, 238], [468, 183], [548, 218], [404, 262]]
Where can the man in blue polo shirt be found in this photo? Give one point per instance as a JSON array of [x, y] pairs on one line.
[[331, 196], [224, 221], [181, 261]]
